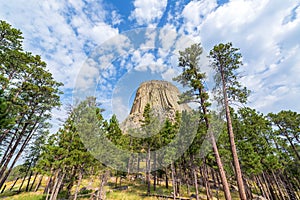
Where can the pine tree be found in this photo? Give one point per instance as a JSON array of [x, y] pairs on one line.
[[194, 78], [30, 92], [149, 126], [226, 60]]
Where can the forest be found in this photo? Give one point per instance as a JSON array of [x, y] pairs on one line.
[[252, 155]]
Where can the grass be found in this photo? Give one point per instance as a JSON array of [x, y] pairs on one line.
[[136, 190], [24, 196]]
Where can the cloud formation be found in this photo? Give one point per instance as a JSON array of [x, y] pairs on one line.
[[147, 12], [78, 37]]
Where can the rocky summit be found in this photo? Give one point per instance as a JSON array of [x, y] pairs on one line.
[[163, 98]]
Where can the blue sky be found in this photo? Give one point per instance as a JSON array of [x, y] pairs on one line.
[[107, 48]]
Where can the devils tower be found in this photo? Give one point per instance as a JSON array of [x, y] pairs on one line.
[[162, 96]]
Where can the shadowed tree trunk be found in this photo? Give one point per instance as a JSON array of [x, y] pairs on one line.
[[78, 183], [14, 184], [28, 182], [38, 184], [173, 181], [34, 179]]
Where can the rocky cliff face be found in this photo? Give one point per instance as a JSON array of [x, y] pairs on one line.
[[163, 98]]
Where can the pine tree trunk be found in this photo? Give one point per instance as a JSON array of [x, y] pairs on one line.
[[281, 196], [138, 163], [214, 177], [226, 188], [236, 163], [195, 182], [155, 173], [3, 189], [219, 185], [177, 180], [4, 156], [130, 159], [38, 184], [271, 189], [291, 143], [101, 192], [248, 189], [264, 187], [6, 174], [288, 187], [129, 164], [267, 186], [14, 184], [48, 184], [8, 156], [167, 180], [71, 182], [53, 188], [148, 170], [7, 159], [185, 167], [28, 182], [34, 179], [173, 181], [260, 186], [57, 188], [24, 178], [206, 181], [194, 175], [78, 183]]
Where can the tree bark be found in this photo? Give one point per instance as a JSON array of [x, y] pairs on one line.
[[27, 170], [194, 175], [34, 179], [39, 184], [226, 188], [101, 192], [78, 183], [14, 184], [57, 188], [173, 181], [15, 160], [3, 189], [28, 138], [248, 189], [48, 185], [236, 163], [4, 156], [291, 142], [281, 196], [264, 187], [206, 181], [28, 182], [167, 180], [195, 182], [155, 173], [148, 170]]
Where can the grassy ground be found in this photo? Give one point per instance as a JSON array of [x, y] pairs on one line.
[[136, 191]]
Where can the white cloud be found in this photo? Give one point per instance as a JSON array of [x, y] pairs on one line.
[[195, 12], [270, 48], [266, 31], [60, 31], [167, 36], [169, 74], [147, 12]]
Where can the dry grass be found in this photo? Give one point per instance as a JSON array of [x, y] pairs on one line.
[[136, 190]]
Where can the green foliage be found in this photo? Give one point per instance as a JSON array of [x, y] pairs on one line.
[[10, 38], [28, 94], [18, 171], [226, 60], [6, 122], [191, 75]]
